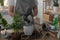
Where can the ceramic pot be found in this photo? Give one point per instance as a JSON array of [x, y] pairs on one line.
[[52, 26], [55, 9], [28, 30]]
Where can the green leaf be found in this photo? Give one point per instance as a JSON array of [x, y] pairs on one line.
[[0, 16], [17, 21], [55, 3], [1, 1], [4, 21]]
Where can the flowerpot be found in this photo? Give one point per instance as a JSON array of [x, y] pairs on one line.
[[4, 33], [52, 26], [58, 34], [55, 9], [28, 30]]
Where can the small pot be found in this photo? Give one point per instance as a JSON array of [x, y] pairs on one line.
[[28, 30], [55, 9], [52, 26], [58, 35]]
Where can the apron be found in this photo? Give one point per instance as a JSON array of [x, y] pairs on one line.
[[24, 7]]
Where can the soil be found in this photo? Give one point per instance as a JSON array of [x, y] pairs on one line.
[[35, 36], [21, 36]]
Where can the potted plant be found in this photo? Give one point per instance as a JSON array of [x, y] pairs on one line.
[[28, 29], [17, 25], [52, 26], [56, 21], [28, 26], [17, 22], [3, 25], [3, 22], [55, 5]]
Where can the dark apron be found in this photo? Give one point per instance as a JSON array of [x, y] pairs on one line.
[[24, 7]]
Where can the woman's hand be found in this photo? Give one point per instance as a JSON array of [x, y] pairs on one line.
[[36, 20], [11, 10], [35, 11]]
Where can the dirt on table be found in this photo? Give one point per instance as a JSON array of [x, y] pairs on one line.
[[35, 36]]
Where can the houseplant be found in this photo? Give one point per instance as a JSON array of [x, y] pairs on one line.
[[3, 22], [17, 22], [3, 25], [55, 5], [52, 26], [56, 21], [29, 26], [17, 25]]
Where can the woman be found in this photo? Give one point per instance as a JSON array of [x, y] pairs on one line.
[[24, 7]]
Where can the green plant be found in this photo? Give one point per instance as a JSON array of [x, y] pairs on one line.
[[1, 1], [54, 22], [3, 21], [55, 3], [0, 16], [17, 21]]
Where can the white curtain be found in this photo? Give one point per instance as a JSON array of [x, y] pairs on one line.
[[9, 2]]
